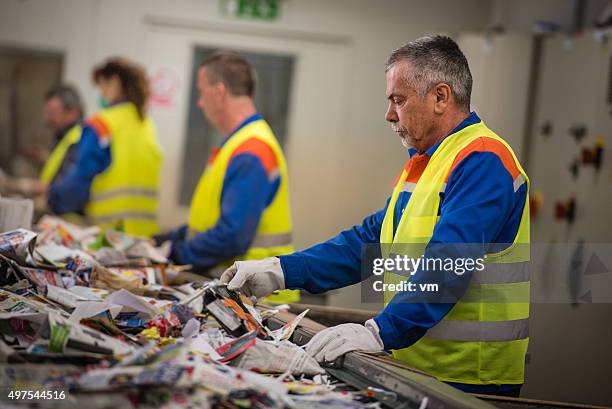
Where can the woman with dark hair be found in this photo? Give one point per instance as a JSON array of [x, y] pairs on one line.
[[115, 179], [120, 80]]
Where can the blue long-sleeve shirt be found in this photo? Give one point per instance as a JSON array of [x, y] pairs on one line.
[[70, 193], [249, 186], [479, 205]]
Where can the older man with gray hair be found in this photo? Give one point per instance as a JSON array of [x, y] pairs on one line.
[[462, 196], [63, 113]]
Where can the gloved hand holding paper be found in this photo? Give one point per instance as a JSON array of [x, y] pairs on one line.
[[257, 278], [333, 342]]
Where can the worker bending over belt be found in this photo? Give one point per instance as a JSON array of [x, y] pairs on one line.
[[115, 179], [462, 185], [240, 208], [63, 113]]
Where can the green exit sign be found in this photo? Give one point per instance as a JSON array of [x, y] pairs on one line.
[[268, 10]]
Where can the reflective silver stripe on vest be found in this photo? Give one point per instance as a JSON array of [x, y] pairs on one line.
[[408, 187], [518, 182], [124, 191], [123, 216], [502, 273], [272, 240], [484, 331], [274, 174]]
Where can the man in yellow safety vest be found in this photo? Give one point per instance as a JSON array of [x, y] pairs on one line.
[[240, 208], [452, 241], [63, 113]]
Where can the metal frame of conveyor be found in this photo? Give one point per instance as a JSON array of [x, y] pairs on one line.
[[391, 382], [398, 386]]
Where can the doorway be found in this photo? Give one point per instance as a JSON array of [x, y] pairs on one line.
[[25, 77]]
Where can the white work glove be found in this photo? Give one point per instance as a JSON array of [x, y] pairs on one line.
[[256, 278], [330, 343]]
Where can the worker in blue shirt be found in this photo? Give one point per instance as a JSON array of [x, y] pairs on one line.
[[62, 113], [240, 208], [462, 184], [114, 179], [250, 174]]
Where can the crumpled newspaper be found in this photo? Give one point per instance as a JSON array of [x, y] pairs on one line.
[[106, 279], [271, 357], [18, 244]]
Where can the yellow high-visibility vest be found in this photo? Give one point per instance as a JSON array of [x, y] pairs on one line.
[[54, 162], [125, 195], [483, 339], [273, 234]]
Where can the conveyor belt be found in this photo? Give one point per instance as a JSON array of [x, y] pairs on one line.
[[411, 388], [402, 387]]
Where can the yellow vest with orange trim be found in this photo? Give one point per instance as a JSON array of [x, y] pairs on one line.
[[125, 195], [55, 160], [484, 338], [273, 234]]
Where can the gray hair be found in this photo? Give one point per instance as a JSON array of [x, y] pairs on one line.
[[436, 59], [68, 96]]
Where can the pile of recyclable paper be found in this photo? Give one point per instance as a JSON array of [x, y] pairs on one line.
[[88, 319]]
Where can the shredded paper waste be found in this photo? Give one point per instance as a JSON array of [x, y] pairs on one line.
[[88, 317]]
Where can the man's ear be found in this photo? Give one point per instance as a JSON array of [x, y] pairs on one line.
[[220, 90], [442, 97]]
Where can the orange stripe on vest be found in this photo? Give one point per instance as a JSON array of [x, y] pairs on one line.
[[260, 149], [100, 127], [484, 144], [415, 168]]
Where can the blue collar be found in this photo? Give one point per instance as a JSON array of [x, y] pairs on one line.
[[471, 119], [255, 117]]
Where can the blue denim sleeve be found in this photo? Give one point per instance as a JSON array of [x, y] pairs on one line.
[[480, 207], [247, 191], [335, 263], [70, 193]]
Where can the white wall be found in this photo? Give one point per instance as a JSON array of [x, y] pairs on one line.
[[500, 67], [570, 344]]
